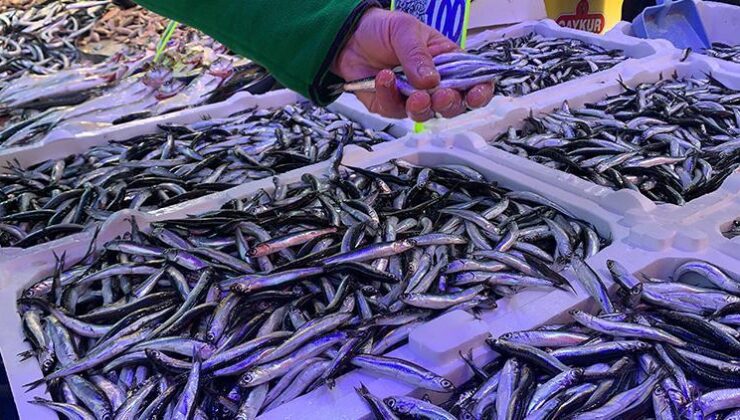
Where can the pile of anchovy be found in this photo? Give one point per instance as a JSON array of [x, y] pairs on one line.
[[60, 197], [672, 352], [238, 311], [672, 141], [41, 39], [545, 62], [122, 90], [724, 52]]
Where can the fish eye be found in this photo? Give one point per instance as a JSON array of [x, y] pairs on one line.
[[391, 402], [446, 383]]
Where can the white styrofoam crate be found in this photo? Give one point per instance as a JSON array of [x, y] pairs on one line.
[[60, 148], [427, 347], [636, 49], [721, 21], [529, 309], [693, 227], [636, 208]]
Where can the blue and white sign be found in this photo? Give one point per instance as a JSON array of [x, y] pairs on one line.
[[450, 17]]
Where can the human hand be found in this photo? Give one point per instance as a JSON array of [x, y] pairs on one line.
[[385, 39]]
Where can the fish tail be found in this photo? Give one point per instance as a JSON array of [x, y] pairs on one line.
[[35, 384]]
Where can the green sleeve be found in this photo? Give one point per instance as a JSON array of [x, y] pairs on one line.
[[296, 40]]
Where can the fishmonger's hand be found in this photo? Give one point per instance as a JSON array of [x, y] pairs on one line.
[[384, 40]]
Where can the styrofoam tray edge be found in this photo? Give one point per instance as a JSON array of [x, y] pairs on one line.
[[19, 273]]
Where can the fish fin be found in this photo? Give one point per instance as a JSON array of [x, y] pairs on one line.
[[621, 82], [476, 312], [91, 247], [25, 355], [468, 359], [35, 384], [365, 146], [362, 390], [56, 280], [39, 401], [561, 281]]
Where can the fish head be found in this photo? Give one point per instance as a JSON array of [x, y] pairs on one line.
[[156, 77], [576, 313], [222, 68], [241, 288], [211, 337], [259, 250], [30, 292], [445, 383], [641, 346], [408, 297], [466, 415], [248, 378], [152, 354], [398, 406], [48, 363], [169, 89]]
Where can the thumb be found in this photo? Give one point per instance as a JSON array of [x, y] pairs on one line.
[[409, 39]]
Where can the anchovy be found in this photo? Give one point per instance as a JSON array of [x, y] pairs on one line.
[[625, 329], [405, 371], [377, 406], [671, 161]]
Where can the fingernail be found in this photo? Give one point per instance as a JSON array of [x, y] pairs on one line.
[[387, 81], [426, 71]]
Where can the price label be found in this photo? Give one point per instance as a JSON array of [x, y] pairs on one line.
[[450, 17]]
